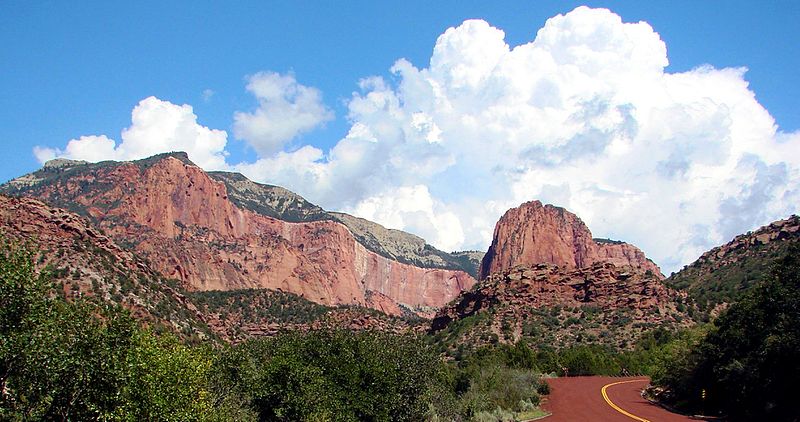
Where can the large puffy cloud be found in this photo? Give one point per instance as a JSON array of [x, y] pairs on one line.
[[583, 116], [414, 209], [156, 126], [285, 110]]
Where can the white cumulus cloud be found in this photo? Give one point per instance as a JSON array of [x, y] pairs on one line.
[[414, 209], [156, 126], [285, 110], [583, 116]]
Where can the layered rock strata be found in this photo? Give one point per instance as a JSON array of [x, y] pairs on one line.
[[620, 302], [184, 223], [534, 233]]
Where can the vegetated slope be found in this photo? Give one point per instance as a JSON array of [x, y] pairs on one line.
[[179, 218], [534, 233], [723, 274], [550, 306], [746, 366], [239, 315], [84, 262], [547, 281]]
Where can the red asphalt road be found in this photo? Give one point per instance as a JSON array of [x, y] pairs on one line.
[[579, 399]]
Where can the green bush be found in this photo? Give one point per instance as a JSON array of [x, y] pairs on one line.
[[497, 386], [337, 375], [747, 365], [80, 361], [496, 415], [491, 379]]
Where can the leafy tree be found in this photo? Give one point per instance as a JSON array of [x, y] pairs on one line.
[[59, 360], [82, 361], [336, 375], [21, 304], [748, 364]]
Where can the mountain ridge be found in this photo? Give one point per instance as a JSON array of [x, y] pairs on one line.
[[182, 219], [722, 274], [268, 200]]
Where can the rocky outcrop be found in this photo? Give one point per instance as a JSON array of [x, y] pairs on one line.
[[787, 230], [546, 280], [549, 300], [534, 233], [723, 274], [189, 228]]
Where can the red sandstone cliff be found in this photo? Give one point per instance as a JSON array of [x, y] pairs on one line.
[[182, 221], [534, 233]]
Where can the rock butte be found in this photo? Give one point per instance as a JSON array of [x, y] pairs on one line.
[[534, 233]]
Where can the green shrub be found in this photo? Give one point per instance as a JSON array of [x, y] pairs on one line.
[[79, 360], [496, 415], [337, 375], [748, 363]]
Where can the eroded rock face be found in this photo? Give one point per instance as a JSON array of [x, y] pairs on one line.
[[534, 233], [622, 300], [182, 221], [85, 262]]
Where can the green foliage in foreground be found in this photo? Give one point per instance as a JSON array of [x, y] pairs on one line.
[[373, 376], [336, 375], [495, 381], [81, 361], [749, 363]]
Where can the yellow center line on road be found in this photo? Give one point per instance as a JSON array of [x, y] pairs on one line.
[[617, 408]]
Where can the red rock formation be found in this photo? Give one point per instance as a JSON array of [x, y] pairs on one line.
[[83, 261], [27, 220], [182, 221], [625, 299], [534, 233]]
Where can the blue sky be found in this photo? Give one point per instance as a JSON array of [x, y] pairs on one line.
[[69, 70], [75, 68]]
